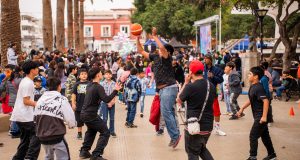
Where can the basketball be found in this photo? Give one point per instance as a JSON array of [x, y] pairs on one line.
[[136, 29]]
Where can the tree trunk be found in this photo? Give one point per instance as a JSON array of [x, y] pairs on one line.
[[273, 53], [286, 59], [10, 27], [76, 24], [81, 23], [70, 24], [47, 25], [60, 25]]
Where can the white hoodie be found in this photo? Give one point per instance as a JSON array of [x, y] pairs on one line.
[[51, 110], [12, 58]]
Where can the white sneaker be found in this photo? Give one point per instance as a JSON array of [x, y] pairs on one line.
[[219, 132]]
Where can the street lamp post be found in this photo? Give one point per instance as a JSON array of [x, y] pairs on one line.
[[261, 13]]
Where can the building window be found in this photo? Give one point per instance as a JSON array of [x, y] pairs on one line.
[[88, 32], [105, 31], [124, 29]]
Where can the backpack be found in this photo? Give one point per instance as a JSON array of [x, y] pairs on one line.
[[131, 92]]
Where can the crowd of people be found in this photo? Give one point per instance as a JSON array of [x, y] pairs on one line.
[[45, 91]]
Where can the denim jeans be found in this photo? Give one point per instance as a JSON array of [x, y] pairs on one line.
[[14, 128], [105, 112], [233, 102], [167, 107], [227, 101], [131, 111], [279, 91], [142, 101]]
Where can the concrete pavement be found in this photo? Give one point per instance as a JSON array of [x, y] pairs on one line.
[[142, 143]]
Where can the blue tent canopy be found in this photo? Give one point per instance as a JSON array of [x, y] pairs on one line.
[[153, 45]]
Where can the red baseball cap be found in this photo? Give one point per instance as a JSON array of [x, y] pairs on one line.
[[196, 66]]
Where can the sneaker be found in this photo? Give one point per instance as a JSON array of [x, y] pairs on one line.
[[220, 132], [84, 154], [233, 117], [97, 158], [160, 132], [127, 124], [79, 136], [141, 115], [271, 157], [226, 113], [132, 126], [252, 158], [113, 135], [175, 142]]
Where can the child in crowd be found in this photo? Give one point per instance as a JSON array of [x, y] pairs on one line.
[[108, 109], [71, 80], [39, 90], [226, 92], [78, 95], [132, 93], [144, 83], [119, 74], [50, 127], [260, 107], [286, 81], [235, 88], [42, 75]]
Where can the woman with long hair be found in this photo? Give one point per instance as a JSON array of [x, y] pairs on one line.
[[60, 73], [51, 69]]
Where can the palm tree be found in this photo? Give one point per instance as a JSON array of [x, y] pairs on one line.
[[70, 23], [47, 25], [81, 24], [76, 24], [60, 22], [10, 27]]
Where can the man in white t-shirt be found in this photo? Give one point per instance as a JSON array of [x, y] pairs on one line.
[[29, 147]]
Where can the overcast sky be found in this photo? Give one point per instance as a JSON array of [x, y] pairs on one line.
[[34, 7]]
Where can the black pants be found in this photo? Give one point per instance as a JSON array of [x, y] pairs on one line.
[[93, 127], [260, 130], [29, 147], [195, 147]]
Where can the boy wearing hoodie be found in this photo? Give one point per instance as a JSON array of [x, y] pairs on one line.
[[235, 88], [52, 110]]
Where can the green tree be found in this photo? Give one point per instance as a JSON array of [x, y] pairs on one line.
[[171, 17]]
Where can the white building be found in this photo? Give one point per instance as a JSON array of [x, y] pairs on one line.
[[31, 33]]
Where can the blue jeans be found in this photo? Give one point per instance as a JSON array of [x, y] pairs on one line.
[[131, 111], [167, 102], [279, 91], [14, 128], [142, 101], [227, 101], [105, 112]]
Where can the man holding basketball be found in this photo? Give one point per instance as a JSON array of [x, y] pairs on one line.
[[166, 83]]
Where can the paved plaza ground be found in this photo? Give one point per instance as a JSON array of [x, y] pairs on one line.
[[142, 143]]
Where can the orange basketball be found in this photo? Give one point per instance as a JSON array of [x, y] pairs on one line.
[[136, 29]]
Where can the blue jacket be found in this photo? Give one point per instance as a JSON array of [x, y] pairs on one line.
[[217, 72], [265, 82]]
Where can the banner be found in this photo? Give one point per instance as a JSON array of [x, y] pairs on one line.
[[205, 38]]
